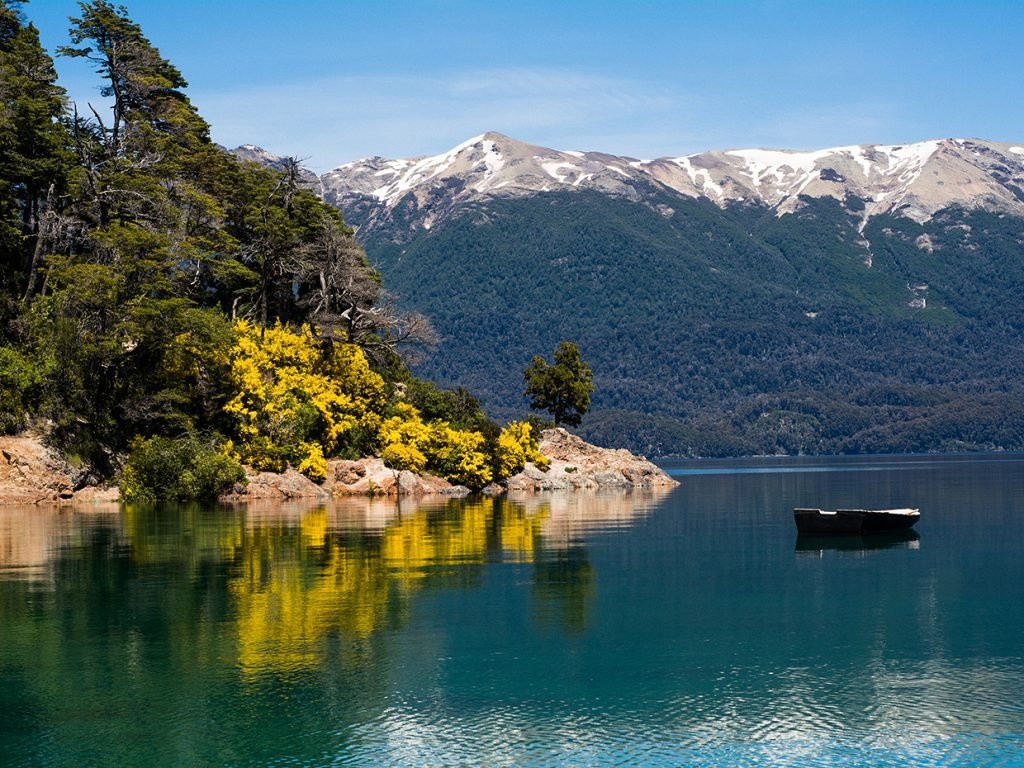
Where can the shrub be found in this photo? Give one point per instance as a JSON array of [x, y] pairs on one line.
[[410, 443], [291, 392], [20, 382], [515, 446], [177, 470], [314, 466], [456, 455]]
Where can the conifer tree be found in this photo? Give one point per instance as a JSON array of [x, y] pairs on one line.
[[562, 389], [34, 156]]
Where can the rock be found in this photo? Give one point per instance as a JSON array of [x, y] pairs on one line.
[[349, 472], [31, 472], [96, 495], [274, 485], [457, 491], [372, 477], [576, 464]]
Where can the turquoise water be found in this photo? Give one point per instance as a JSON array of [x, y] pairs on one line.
[[678, 629]]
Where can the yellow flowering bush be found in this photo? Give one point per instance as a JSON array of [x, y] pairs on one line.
[[456, 455], [404, 438], [407, 442], [292, 394], [314, 466], [516, 446], [297, 401]]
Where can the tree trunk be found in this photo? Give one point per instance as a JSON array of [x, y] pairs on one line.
[[44, 226]]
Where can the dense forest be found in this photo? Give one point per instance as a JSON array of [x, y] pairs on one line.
[[169, 312], [731, 332]]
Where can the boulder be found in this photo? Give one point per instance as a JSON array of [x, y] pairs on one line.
[[275, 485], [371, 477], [94, 494], [32, 473], [576, 464]]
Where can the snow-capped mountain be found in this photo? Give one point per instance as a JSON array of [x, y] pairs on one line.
[[487, 165], [913, 180], [857, 299]]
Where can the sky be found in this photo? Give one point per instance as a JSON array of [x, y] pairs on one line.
[[331, 81]]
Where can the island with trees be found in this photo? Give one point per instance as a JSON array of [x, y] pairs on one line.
[[177, 320]]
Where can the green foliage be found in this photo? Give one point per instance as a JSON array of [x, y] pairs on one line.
[[182, 469], [456, 406], [129, 244], [35, 158], [20, 380], [563, 389]]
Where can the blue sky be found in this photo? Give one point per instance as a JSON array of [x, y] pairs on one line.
[[334, 81]]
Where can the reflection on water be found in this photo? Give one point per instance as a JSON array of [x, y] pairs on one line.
[[292, 576], [656, 630], [817, 544]]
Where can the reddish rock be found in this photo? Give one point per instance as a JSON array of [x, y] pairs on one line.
[[275, 485], [31, 472], [371, 477]]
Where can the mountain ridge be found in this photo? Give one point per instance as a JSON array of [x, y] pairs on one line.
[[914, 180]]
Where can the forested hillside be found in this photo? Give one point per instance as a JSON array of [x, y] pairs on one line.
[[168, 311], [736, 331]]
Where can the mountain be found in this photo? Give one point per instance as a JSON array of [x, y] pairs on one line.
[[913, 180], [865, 298]]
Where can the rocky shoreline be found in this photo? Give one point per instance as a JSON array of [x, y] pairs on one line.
[[32, 473]]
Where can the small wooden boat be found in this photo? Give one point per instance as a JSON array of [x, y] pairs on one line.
[[854, 521]]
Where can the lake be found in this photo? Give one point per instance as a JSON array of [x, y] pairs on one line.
[[687, 628]]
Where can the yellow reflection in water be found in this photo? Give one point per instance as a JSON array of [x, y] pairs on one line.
[[288, 598], [416, 545], [297, 575], [520, 531]]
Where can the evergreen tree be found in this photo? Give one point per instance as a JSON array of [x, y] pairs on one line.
[[563, 389], [34, 156]]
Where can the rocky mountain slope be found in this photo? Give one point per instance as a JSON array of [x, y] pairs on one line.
[[263, 157], [913, 180]]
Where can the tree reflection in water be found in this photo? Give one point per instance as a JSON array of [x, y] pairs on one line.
[[274, 587]]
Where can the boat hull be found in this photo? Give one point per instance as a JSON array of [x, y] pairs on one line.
[[853, 522], [878, 522]]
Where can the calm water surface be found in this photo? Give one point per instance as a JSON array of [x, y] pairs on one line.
[[678, 629]]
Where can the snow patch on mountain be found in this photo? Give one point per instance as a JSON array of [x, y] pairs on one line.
[[780, 164], [554, 170]]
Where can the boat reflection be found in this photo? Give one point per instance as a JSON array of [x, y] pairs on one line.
[[814, 545]]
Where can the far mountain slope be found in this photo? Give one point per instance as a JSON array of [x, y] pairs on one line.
[[866, 298]]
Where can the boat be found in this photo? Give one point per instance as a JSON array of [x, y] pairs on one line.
[[854, 521]]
